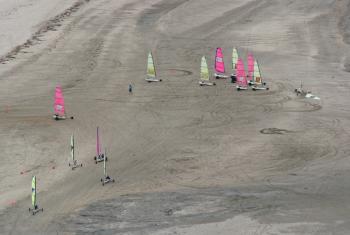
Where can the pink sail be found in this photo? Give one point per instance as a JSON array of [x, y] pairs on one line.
[[59, 102], [240, 74], [250, 66], [98, 145], [219, 61]]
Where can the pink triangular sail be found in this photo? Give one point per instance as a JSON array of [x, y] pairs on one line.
[[59, 102], [250, 66], [98, 144], [219, 61], [240, 74]]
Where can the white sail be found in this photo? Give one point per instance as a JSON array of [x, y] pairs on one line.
[[72, 148], [257, 74], [34, 191]]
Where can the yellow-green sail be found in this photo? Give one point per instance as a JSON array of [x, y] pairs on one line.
[[257, 74], [34, 191], [151, 71], [204, 70], [234, 58]]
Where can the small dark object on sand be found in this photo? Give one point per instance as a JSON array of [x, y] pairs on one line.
[[169, 212]]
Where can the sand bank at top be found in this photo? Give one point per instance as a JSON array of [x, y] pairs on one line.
[[19, 19]]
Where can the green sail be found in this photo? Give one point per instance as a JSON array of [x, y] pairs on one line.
[[257, 74], [151, 71], [204, 70], [234, 58], [34, 191]]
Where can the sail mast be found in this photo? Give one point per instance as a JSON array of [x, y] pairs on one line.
[[97, 143], [104, 164]]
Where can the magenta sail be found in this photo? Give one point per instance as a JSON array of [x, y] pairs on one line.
[[219, 61], [59, 102], [240, 74], [98, 146], [250, 66]]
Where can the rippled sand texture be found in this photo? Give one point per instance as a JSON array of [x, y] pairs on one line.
[[186, 159]]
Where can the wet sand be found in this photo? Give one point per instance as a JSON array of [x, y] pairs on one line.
[[187, 159]]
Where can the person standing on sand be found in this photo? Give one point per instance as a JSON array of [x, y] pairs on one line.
[[130, 88]]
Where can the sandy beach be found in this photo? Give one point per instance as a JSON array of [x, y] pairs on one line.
[[186, 159]]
